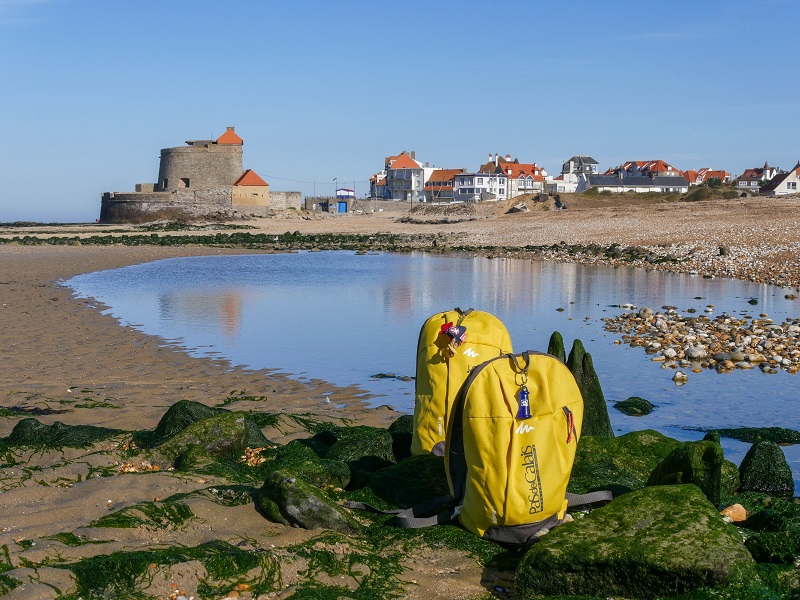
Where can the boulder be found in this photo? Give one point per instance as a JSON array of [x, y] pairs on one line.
[[519, 207], [411, 481], [658, 541], [225, 435], [298, 460], [595, 413], [634, 406], [619, 464], [402, 432], [776, 547], [292, 501], [699, 463], [31, 432], [764, 469], [179, 416]]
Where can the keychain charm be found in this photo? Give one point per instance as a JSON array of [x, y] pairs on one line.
[[457, 335], [524, 411]]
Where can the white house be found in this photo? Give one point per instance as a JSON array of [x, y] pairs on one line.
[[405, 178], [571, 171], [480, 187], [783, 183]]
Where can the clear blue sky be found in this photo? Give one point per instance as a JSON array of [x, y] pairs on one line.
[[93, 89]]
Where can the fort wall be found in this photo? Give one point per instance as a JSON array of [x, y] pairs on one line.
[[200, 165]]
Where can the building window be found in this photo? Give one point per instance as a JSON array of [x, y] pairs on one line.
[[480, 180], [164, 183], [792, 185], [184, 182]]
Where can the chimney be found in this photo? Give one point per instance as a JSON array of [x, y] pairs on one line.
[[413, 155], [508, 158], [490, 157], [426, 164], [231, 128], [495, 158]]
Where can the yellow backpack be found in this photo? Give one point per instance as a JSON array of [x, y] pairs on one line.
[[450, 345], [512, 445], [510, 448]]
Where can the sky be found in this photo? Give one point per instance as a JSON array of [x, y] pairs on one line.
[[92, 90]]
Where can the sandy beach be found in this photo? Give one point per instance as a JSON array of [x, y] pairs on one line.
[[63, 360]]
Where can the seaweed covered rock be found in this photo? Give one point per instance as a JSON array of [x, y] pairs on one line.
[[225, 435], [178, 417], [292, 501], [555, 346], [776, 547], [661, 541], [779, 435], [402, 431], [764, 469], [776, 531], [356, 443], [31, 432], [699, 463], [618, 464], [634, 406], [411, 481], [595, 412], [298, 460], [403, 424]]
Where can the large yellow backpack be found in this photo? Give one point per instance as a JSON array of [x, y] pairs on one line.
[[450, 345], [512, 444]]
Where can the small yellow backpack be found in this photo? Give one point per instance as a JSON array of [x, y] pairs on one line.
[[450, 345]]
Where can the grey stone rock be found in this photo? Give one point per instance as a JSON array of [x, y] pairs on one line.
[[292, 501]]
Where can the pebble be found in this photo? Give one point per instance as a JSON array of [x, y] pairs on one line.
[[724, 342], [735, 512]]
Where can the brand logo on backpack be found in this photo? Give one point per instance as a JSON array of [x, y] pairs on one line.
[[524, 428], [530, 464], [471, 353]]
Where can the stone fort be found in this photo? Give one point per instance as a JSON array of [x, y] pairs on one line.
[[202, 180]]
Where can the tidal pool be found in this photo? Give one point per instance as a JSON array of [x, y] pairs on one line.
[[344, 318]]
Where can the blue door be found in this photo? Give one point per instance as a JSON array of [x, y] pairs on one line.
[[342, 208]]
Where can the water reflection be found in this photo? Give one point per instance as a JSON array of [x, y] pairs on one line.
[[343, 318]]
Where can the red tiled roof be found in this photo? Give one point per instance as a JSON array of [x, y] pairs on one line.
[[230, 138], [444, 174], [404, 161], [522, 169], [250, 177]]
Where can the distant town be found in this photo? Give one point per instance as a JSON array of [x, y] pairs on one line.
[[206, 178], [403, 177]]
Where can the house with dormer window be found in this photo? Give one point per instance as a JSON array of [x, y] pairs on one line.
[[783, 184], [752, 179]]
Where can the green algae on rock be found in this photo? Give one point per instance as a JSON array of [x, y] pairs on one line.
[[595, 412], [657, 541], [227, 434], [555, 346], [31, 432], [619, 464], [699, 463], [178, 417], [411, 481], [292, 501], [634, 406], [764, 469]]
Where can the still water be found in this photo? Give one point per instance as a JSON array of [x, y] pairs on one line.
[[344, 318]]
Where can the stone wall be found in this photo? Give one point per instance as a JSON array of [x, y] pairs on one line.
[[284, 200], [188, 205]]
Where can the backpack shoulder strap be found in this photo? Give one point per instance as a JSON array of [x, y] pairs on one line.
[[409, 518]]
